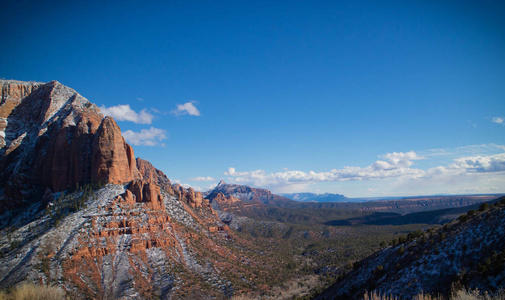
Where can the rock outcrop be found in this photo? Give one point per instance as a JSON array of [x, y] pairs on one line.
[[52, 137], [192, 198], [154, 176], [150, 174], [141, 191]]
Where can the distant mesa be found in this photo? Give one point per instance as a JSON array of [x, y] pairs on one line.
[[245, 193]]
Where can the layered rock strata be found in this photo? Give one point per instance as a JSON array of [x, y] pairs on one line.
[[52, 137]]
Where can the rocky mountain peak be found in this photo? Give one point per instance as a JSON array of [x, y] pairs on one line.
[[52, 137], [221, 183]]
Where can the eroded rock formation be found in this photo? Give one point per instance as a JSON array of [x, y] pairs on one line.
[[150, 174], [192, 198], [141, 191], [52, 137]]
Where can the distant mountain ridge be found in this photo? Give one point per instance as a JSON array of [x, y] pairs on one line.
[[306, 197], [262, 204], [247, 194]]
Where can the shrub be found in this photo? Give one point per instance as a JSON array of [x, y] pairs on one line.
[[463, 218], [379, 271], [483, 207], [414, 235], [30, 291]]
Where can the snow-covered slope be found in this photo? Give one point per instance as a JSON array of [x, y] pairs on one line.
[[469, 251]]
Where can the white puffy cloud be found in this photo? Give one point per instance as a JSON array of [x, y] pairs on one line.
[[187, 108], [396, 160], [125, 113], [146, 137], [498, 120], [397, 166], [493, 163], [401, 159], [202, 178], [394, 165]]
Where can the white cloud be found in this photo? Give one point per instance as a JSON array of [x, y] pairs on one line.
[[194, 187], [395, 167], [187, 108], [396, 160], [202, 178], [498, 120], [493, 163], [125, 113], [483, 149], [146, 137]]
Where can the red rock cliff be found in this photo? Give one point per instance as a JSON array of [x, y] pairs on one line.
[[112, 159], [50, 136]]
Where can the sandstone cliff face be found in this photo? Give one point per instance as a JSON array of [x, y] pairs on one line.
[[112, 158], [50, 136]]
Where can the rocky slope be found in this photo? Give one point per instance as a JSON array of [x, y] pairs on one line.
[[466, 252], [53, 138], [133, 241]]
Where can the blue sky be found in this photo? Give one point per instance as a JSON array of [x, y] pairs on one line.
[[363, 98]]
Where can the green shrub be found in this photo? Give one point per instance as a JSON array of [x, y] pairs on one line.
[[463, 218], [483, 207]]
